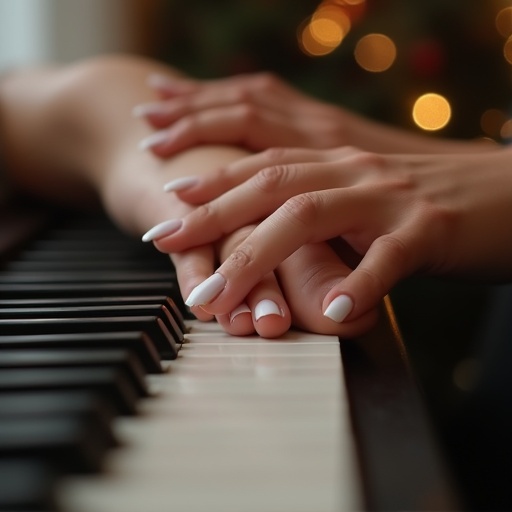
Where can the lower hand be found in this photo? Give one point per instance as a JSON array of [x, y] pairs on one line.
[[440, 214]]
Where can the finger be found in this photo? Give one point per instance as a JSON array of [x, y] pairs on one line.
[[305, 278], [390, 258], [270, 314], [254, 199], [193, 267], [308, 218], [239, 124], [238, 322], [198, 190], [169, 87]]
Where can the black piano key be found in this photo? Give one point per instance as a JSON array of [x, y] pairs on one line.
[[57, 403], [138, 342], [84, 276], [162, 300], [123, 310], [151, 325], [71, 443], [108, 382], [123, 360], [27, 484], [113, 263], [72, 290]]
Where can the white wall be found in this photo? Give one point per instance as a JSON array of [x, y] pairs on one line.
[[61, 30]]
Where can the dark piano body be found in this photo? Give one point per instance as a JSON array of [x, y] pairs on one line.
[[87, 313]]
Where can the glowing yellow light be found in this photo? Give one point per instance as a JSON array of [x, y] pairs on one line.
[[491, 122], [325, 31], [507, 50], [375, 52], [334, 14], [310, 46], [504, 22], [431, 111]]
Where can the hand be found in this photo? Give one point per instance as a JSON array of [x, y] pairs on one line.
[[439, 214], [137, 201], [253, 111]]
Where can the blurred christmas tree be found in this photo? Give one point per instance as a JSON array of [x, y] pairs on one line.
[[375, 56]]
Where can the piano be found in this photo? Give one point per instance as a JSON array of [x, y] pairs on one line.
[[113, 399]]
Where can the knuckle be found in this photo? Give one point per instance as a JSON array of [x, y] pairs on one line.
[[303, 208], [241, 94], [366, 159], [265, 81], [270, 178], [204, 212], [276, 154], [241, 257], [248, 112], [395, 249]]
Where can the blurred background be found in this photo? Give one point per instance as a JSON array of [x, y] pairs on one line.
[[442, 68], [379, 57]]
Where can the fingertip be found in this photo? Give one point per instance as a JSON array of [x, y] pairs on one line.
[[338, 308]]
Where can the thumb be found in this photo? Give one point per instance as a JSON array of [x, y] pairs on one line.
[[387, 261]]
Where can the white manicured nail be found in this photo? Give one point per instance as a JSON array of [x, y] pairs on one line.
[[339, 308], [156, 80], [147, 109], [266, 307], [181, 184], [204, 292], [243, 308], [165, 228], [154, 140]]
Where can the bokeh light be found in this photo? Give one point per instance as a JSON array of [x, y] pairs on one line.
[[507, 50], [431, 111], [325, 30], [375, 52], [506, 130], [504, 22], [491, 122]]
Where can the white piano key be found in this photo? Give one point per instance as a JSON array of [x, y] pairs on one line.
[[238, 426]]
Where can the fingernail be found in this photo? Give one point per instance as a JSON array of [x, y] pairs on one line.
[[154, 139], [243, 308], [165, 228], [204, 292], [181, 184], [339, 308], [147, 109], [158, 81], [266, 307]]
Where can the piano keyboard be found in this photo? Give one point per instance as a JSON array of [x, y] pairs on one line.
[[112, 400]]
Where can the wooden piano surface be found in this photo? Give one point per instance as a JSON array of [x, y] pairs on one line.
[[247, 424]]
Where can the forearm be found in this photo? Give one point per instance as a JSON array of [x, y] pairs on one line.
[[70, 135]]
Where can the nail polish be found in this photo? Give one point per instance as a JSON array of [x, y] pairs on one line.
[[242, 308], [165, 228], [266, 307], [206, 291], [339, 308], [181, 184], [154, 139], [147, 109]]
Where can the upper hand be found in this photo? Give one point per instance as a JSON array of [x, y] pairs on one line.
[[254, 111]]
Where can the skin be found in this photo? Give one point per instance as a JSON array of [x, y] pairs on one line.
[[73, 139], [404, 214], [261, 111], [404, 203]]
